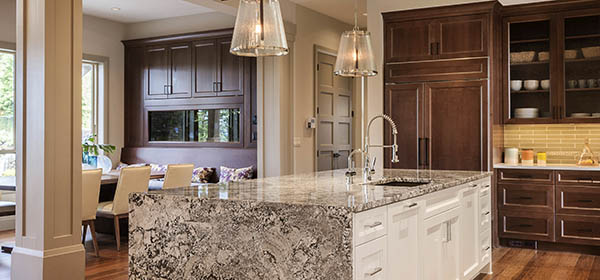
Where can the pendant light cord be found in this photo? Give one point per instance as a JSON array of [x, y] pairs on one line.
[[355, 15]]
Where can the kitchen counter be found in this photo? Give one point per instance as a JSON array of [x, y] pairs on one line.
[[290, 227], [571, 167]]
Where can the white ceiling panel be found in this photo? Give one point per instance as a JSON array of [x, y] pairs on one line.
[[141, 10]]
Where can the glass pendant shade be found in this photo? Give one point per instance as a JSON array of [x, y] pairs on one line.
[[259, 29], [355, 55]]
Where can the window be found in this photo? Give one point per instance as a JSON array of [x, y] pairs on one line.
[[7, 113], [201, 126], [89, 98]]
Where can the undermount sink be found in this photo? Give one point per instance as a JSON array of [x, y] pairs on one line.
[[402, 184]]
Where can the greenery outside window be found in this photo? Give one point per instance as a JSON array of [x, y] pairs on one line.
[[7, 113], [197, 125]]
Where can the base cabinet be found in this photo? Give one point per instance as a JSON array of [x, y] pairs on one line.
[[441, 248], [440, 236]]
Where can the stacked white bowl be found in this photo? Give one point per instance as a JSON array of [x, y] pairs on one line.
[[526, 113]]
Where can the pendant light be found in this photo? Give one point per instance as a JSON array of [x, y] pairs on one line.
[[259, 29], [355, 54]]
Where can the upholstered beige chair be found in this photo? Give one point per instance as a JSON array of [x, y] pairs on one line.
[[131, 179], [90, 181], [178, 175]]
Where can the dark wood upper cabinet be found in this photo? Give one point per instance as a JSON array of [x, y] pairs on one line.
[[464, 36], [409, 40], [180, 75], [404, 104], [156, 72], [205, 68], [231, 70]]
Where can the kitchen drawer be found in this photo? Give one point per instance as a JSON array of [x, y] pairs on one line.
[[526, 225], [575, 229], [485, 218], [445, 70], [486, 247], [581, 200], [485, 189], [442, 201], [370, 260], [369, 225], [523, 197], [525, 176], [577, 178]]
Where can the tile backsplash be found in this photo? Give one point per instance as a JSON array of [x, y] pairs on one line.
[[562, 142]]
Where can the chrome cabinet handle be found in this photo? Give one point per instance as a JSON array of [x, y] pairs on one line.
[[486, 213], [411, 205], [375, 224], [374, 271]]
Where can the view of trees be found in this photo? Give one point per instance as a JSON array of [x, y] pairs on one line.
[[88, 72]]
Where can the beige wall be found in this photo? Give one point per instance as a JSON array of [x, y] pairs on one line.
[[8, 21], [312, 29], [177, 25]]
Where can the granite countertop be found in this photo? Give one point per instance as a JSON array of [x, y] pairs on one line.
[[549, 166], [328, 188]]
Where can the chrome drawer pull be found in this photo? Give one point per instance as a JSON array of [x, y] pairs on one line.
[[485, 187], [375, 224], [487, 248], [411, 205], [486, 213], [375, 271]]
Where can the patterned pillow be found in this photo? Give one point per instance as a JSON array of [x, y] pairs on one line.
[[202, 174], [235, 174], [158, 168]]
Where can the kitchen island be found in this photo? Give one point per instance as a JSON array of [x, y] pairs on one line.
[[314, 226]]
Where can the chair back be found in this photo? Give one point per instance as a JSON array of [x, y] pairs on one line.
[[131, 179], [90, 189], [178, 175]]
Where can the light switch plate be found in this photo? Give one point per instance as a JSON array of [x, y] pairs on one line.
[[297, 141]]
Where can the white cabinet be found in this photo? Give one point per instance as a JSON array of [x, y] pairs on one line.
[[440, 254], [469, 232], [404, 227], [371, 260]]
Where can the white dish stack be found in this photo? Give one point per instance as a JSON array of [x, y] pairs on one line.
[[527, 113]]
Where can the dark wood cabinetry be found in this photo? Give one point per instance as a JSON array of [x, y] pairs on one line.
[[190, 91], [545, 205], [436, 72]]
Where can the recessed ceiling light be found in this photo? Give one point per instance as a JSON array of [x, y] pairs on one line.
[[115, 8]]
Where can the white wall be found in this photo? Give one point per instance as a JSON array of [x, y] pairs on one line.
[[178, 25], [312, 29]]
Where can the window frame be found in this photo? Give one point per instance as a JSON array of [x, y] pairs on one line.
[[101, 85], [10, 49]]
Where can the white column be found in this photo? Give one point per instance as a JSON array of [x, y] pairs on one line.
[[48, 110]]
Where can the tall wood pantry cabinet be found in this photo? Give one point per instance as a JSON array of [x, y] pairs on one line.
[[437, 88]]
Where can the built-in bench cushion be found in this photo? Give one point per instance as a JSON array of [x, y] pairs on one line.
[[235, 174]]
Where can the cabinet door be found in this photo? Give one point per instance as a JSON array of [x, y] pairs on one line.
[[408, 41], [180, 77], [440, 248], [455, 125], [370, 260], [205, 68], [403, 103], [231, 73], [404, 226], [156, 72], [469, 232], [464, 36]]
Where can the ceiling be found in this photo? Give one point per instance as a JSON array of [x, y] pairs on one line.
[[332, 9], [144, 10]]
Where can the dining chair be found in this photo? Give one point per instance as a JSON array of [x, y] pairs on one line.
[[131, 179], [178, 175], [90, 184]]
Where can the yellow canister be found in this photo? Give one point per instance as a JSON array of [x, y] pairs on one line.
[[541, 158]]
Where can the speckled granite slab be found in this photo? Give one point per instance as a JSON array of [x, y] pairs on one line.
[[291, 227]]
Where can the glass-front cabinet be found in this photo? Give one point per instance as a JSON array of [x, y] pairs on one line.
[[552, 68], [581, 100]]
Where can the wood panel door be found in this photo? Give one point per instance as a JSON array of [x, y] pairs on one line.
[[404, 104], [334, 115], [230, 71], [409, 41], [454, 125], [205, 68], [180, 71], [464, 36], [156, 72]]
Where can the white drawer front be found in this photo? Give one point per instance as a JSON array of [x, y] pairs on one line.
[[486, 247], [485, 188], [369, 225], [485, 214], [370, 260], [442, 201]]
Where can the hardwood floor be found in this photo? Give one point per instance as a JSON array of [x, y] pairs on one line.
[[509, 263]]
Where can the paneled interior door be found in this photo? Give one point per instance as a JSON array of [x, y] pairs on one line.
[[334, 115]]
